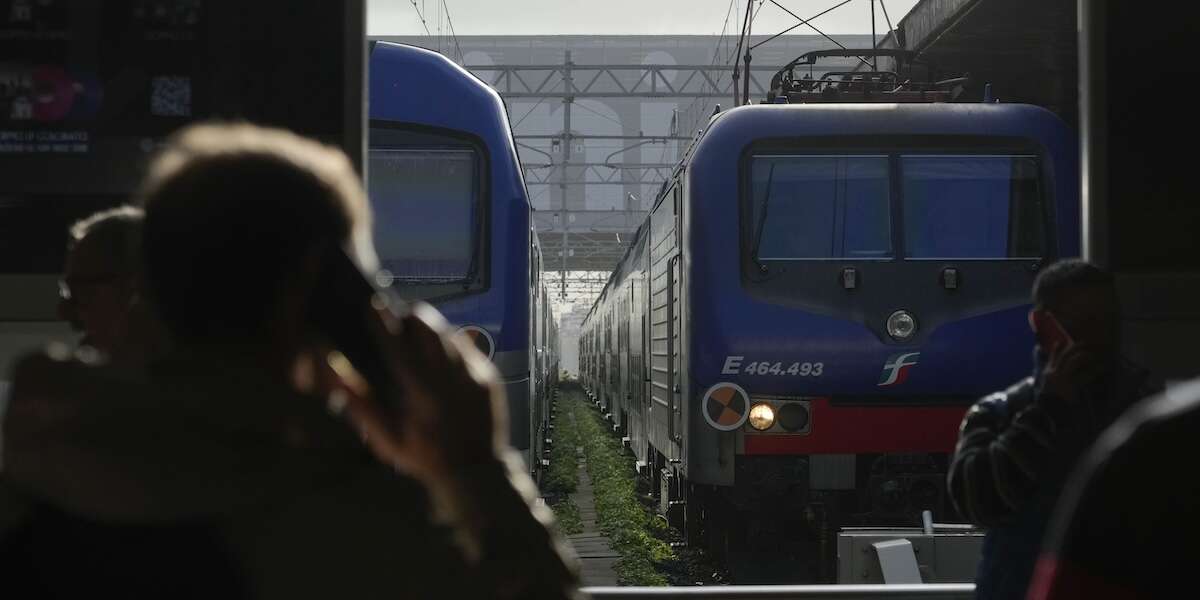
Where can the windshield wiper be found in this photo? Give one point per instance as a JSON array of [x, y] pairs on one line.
[[472, 268], [476, 249], [762, 220], [419, 280]]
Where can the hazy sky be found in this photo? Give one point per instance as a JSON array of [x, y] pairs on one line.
[[643, 17]]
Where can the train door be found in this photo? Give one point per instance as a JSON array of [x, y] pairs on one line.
[[643, 385], [625, 398], [544, 356], [605, 355], [676, 309], [663, 320], [633, 339], [582, 361], [674, 429], [614, 356], [601, 354], [619, 357], [535, 383]]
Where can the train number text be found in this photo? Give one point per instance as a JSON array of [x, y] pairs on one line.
[[735, 365]]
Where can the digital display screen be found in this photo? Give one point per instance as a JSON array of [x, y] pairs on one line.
[[90, 89]]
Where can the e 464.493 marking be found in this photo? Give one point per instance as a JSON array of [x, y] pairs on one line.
[[737, 365]]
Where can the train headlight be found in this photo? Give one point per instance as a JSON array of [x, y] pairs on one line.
[[762, 416], [901, 325], [793, 416]]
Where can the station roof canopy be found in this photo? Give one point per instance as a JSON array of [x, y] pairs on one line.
[[1027, 49]]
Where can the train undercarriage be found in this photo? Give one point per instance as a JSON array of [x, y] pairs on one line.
[[779, 522]]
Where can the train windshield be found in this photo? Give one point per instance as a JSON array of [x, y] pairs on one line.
[[849, 207], [821, 207], [972, 207], [426, 205]]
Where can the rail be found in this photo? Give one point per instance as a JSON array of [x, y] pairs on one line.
[[933, 591]]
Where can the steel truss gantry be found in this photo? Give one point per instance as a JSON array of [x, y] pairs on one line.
[[570, 80], [595, 240]]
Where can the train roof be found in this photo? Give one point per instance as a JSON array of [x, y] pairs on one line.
[[619, 273], [735, 128], [432, 88]]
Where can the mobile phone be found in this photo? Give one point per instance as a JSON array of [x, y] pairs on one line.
[[340, 310], [1051, 334]]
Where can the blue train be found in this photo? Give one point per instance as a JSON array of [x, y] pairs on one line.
[[820, 291], [453, 223]]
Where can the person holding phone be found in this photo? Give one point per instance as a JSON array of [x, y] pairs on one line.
[[277, 450], [1016, 447]]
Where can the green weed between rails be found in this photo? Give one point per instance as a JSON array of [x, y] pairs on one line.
[[563, 476], [628, 524], [566, 516]]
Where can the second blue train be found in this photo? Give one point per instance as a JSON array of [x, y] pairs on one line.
[[453, 223]]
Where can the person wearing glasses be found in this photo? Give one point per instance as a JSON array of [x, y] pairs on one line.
[[99, 290]]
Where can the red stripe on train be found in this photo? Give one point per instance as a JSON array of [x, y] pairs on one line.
[[866, 430]]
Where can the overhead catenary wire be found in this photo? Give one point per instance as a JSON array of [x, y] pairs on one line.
[[597, 113], [443, 15], [693, 116], [746, 58], [724, 28], [814, 28], [803, 22], [874, 40], [453, 34], [421, 16], [734, 59], [886, 18], [532, 108], [737, 53]]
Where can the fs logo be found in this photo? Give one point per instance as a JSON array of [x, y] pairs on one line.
[[895, 370]]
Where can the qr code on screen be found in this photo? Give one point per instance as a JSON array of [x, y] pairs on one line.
[[171, 97]]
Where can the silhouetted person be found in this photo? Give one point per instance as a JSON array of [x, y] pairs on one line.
[[99, 294], [1127, 524], [251, 461], [1016, 447]]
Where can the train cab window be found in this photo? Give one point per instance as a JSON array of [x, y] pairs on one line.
[[820, 207], [972, 207], [426, 213]]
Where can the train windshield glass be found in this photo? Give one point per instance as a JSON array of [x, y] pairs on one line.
[[962, 206], [425, 205], [821, 207], [972, 207]]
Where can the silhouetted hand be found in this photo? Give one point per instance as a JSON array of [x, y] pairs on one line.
[[454, 409], [453, 436], [1068, 370]]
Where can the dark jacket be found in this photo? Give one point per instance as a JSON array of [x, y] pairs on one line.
[[1015, 450], [205, 479], [1128, 523]]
